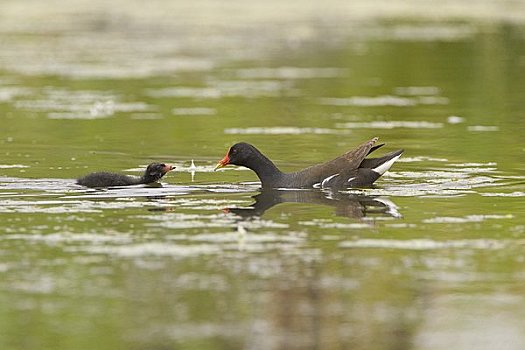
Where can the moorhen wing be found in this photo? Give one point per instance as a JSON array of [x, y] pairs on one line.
[[349, 170], [154, 172]]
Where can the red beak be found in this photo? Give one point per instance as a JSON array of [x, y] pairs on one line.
[[223, 162]]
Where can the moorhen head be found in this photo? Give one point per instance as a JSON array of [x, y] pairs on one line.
[[155, 171], [244, 154], [351, 169]]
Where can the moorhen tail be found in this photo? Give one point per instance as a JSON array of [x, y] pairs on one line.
[[349, 170], [154, 172]]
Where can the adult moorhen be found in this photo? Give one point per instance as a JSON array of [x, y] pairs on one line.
[[349, 170], [153, 173]]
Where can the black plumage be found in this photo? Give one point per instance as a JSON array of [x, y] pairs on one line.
[[153, 173]]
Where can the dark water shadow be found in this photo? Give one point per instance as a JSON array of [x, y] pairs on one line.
[[347, 205]]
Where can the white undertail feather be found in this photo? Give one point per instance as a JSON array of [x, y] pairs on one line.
[[383, 168], [328, 179]]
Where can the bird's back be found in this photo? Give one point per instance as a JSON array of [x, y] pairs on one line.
[[345, 165], [106, 179]]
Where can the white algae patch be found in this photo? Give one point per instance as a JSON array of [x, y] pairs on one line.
[[80, 104], [56, 238], [367, 101], [482, 128], [234, 237], [417, 90], [386, 100], [465, 219], [251, 88], [216, 89], [490, 164], [194, 111], [453, 119], [290, 73], [153, 249], [178, 221], [9, 93], [393, 124], [13, 166], [184, 91], [425, 32], [425, 244], [499, 194], [283, 130], [337, 225], [420, 159], [453, 180]]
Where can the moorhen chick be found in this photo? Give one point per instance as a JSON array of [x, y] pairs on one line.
[[349, 170], [154, 172]]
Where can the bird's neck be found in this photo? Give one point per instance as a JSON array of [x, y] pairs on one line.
[[265, 169], [141, 180]]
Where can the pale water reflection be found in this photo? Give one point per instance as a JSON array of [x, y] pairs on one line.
[[351, 206]]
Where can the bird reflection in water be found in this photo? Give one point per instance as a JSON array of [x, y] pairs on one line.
[[355, 206]]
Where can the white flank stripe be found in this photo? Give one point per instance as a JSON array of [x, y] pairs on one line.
[[328, 179], [350, 179], [383, 168]]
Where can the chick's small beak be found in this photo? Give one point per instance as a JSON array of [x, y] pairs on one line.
[[223, 162], [167, 168]]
